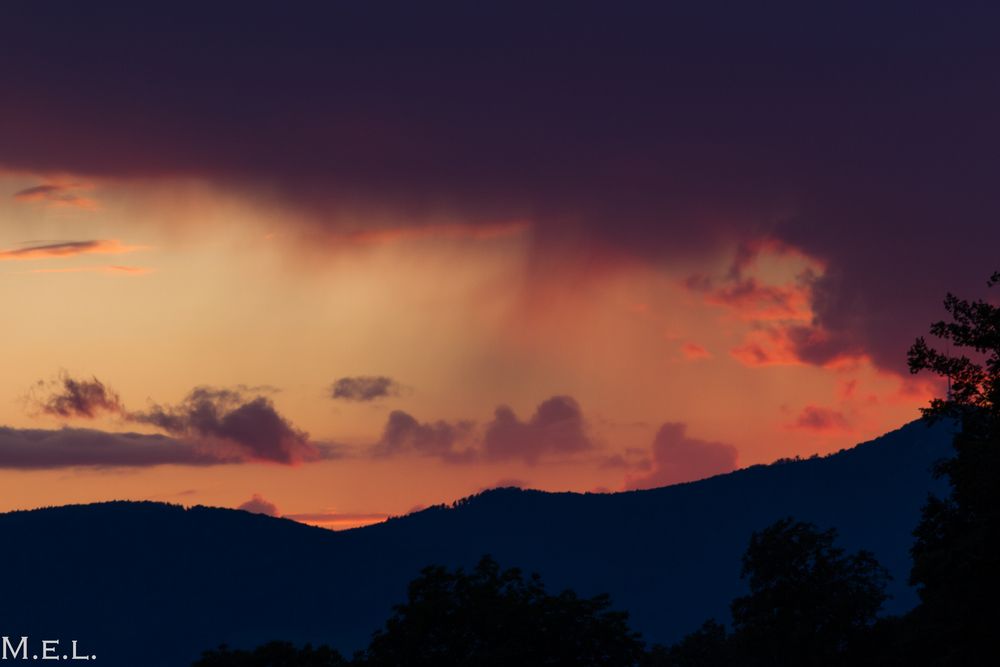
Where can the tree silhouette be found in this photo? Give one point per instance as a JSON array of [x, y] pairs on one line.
[[708, 646], [955, 556], [491, 617], [808, 600]]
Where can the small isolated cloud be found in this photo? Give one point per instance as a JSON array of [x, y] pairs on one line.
[[258, 505], [821, 420], [43, 449], [680, 458], [63, 249], [694, 352], [363, 388], [247, 427], [404, 434], [54, 194], [557, 427], [69, 397]]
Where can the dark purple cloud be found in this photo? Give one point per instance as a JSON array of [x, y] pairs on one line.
[[680, 458], [248, 427], [210, 426], [363, 388], [258, 505], [404, 434], [42, 449], [69, 397], [556, 428], [863, 134]]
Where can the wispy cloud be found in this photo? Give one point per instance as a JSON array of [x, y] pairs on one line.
[[108, 269], [62, 249], [58, 194]]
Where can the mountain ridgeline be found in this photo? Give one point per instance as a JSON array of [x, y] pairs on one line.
[[141, 583]]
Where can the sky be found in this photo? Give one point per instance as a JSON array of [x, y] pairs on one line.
[[338, 261]]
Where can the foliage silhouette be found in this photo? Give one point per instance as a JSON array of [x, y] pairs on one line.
[[809, 603], [808, 600], [708, 646], [955, 556], [494, 617]]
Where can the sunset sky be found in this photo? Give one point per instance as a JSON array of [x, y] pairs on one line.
[[343, 260]]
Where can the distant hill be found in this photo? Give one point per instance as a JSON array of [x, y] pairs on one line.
[[149, 585]]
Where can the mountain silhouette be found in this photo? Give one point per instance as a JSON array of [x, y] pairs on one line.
[[142, 583]]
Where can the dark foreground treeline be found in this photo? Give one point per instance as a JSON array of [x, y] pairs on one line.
[[809, 603]]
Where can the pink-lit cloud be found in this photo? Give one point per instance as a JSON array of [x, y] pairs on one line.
[[821, 420], [259, 505], [677, 457], [694, 352], [556, 428]]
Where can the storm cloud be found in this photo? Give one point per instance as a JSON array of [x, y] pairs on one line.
[[863, 135]]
